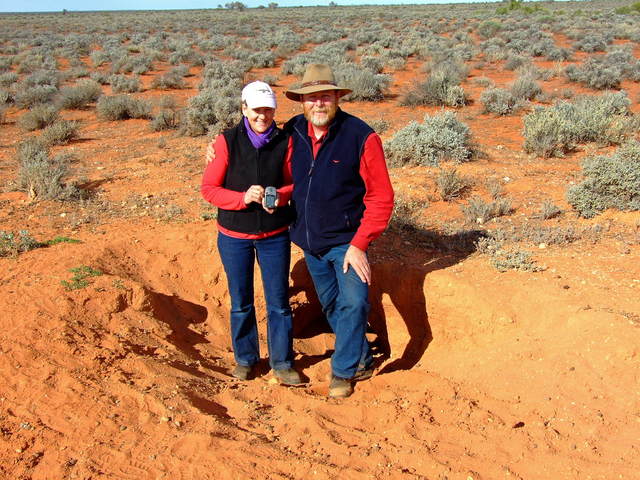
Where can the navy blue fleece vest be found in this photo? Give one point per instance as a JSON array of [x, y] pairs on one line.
[[327, 191], [251, 166]]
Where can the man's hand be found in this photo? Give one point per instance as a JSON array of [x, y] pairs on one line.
[[254, 194], [210, 156], [358, 260]]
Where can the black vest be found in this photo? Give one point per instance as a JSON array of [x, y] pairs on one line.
[[328, 191], [251, 166]]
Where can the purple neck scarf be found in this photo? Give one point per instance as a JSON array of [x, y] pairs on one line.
[[259, 140]]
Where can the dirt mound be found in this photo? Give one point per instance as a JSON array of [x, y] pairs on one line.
[[127, 377]]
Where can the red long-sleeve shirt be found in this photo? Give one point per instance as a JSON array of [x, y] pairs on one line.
[[378, 199], [213, 191]]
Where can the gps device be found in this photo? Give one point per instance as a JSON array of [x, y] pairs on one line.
[[270, 196]]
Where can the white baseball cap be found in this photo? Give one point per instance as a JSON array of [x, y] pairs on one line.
[[258, 94]]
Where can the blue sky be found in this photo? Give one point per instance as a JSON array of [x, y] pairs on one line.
[[75, 5]]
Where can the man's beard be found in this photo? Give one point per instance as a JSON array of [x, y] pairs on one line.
[[330, 114]]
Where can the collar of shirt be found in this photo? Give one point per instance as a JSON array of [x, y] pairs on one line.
[[315, 142]]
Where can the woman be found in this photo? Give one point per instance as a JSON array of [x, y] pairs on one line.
[[249, 157]]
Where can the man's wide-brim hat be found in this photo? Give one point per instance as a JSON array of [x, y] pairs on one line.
[[317, 78]]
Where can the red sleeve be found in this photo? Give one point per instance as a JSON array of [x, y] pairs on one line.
[[378, 199], [213, 179], [286, 190]]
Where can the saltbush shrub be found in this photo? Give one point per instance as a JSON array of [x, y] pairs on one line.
[[124, 83], [42, 177], [499, 101], [75, 98], [173, 79], [211, 111], [122, 107], [12, 244], [7, 79], [38, 117], [611, 181], [439, 137], [60, 133], [450, 184], [364, 84], [29, 97], [556, 130], [439, 89], [595, 74]]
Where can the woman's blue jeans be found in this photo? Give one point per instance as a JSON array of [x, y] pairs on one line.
[[345, 303], [274, 255]]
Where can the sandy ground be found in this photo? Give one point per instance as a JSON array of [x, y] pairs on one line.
[[480, 374]]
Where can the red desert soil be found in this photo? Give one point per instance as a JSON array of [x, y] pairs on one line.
[[490, 375]]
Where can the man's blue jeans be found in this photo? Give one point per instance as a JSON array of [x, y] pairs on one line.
[[345, 303], [274, 255]]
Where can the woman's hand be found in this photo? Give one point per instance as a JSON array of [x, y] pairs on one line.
[[255, 193]]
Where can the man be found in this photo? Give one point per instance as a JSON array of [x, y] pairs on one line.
[[343, 200]]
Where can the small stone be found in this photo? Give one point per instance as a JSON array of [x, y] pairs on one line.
[[165, 419], [273, 380], [542, 246], [63, 214]]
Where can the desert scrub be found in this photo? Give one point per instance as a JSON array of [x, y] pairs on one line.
[[212, 111], [499, 101], [506, 258], [60, 133], [439, 137], [364, 84], [12, 244], [480, 212], [406, 214], [122, 107], [610, 182], [79, 278], [42, 177], [173, 79], [38, 117], [525, 87], [442, 87], [168, 117], [595, 74], [8, 78], [556, 130], [218, 74], [75, 98], [29, 97], [450, 184], [124, 84]]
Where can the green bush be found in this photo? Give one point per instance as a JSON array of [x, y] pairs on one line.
[[29, 97], [595, 74], [12, 244], [451, 184], [122, 107], [558, 129], [438, 89], [365, 84], [500, 101], [479, 211], [439, 137], [173, 79], [41, 177], [610, 182], [124, 84], [75, 98], [60, 133], [212, 111], [38, 117], [7, 79]]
